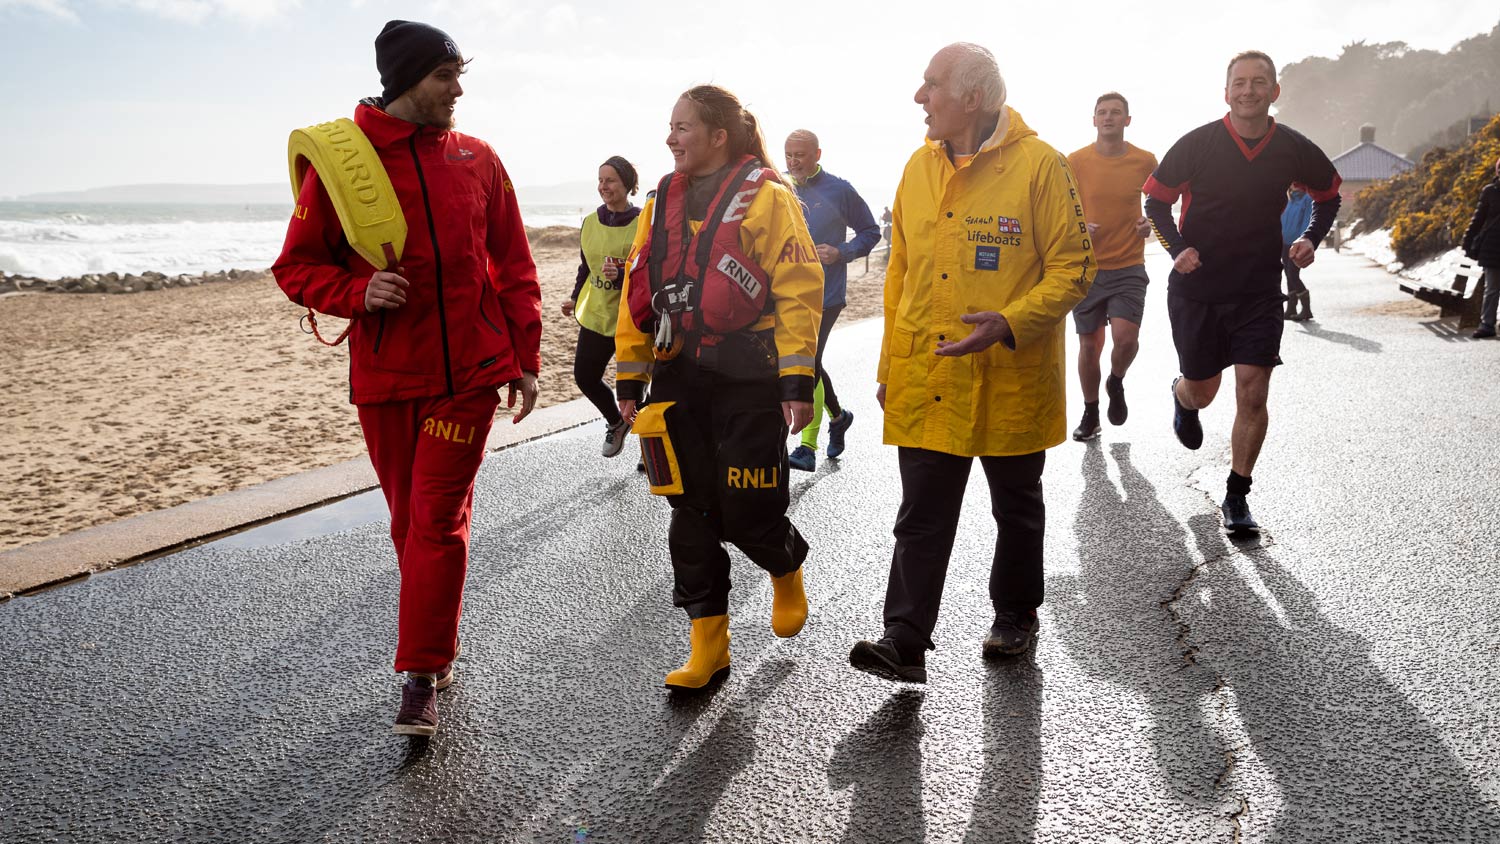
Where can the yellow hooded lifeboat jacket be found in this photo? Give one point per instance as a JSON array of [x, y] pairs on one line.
[[1002, 232]]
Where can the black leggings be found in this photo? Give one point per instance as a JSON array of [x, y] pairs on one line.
[[830, 398], [594, 352]]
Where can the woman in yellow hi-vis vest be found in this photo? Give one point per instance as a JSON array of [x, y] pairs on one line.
[[595, 303], [720, 313]]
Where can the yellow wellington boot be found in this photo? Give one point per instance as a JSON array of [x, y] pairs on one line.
[[788, 604], [709, 660]]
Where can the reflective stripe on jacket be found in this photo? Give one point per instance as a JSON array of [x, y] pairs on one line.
[[473, 313], [1006, 233]]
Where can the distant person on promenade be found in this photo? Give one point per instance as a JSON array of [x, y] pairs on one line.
[[1110, 172], [989, 253], [720, 314], [595, 303], [1224, 292], [1482, 243], [832, 208], [885, 225], [431, 340], [1295, 219]]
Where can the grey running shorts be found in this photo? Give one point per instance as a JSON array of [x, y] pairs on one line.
[[1116, 293]]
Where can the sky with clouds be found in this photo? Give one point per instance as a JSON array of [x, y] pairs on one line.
[[110, 92]]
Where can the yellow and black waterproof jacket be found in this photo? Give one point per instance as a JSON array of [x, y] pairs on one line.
[[773, 235], [1003, 232]]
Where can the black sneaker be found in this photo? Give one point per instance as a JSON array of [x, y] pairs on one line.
[[1185, 422], [1011, 634], [1115, 387], [418, 715], [884, 660], [1088, 427], [1483, 331], [836, 430], [1237, 518]]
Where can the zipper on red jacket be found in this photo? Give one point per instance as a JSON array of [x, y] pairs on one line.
[[437, 258]]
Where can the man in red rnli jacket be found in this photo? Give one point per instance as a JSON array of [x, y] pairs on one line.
[[432, 340]]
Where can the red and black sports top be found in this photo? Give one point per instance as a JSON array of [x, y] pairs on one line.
[[1233, 191]]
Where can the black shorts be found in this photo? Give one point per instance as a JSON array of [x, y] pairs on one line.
[[1211, 336]]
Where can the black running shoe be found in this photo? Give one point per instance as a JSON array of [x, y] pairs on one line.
[[418, 715], [884, 660], [1011, 634], [1115, 387], [1088, 427], [1185, 422], [1237, 518]]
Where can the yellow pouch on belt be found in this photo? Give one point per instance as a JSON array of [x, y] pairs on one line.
[[662, 471]]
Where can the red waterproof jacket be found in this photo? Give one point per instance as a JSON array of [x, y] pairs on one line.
[[473, 312]]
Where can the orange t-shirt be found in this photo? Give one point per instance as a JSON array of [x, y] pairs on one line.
[[1111, 189]]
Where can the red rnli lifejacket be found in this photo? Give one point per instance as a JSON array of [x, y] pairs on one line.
[[703, 281]]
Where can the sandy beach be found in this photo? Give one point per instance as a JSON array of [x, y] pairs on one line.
[[113, 405]]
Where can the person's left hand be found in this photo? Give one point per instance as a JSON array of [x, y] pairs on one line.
[[992, 328], [527, 385], [797, 414], [829, 254], [1301, 252]]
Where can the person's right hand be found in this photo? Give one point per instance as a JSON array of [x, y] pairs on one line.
[[610, 272], [386, 290], [1187, 261], [567, 308], [627, 410], [880, 395]]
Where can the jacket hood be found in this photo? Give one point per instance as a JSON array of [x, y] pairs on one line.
[[1008, 130]]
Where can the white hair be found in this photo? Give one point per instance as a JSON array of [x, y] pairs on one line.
[[974, 69]]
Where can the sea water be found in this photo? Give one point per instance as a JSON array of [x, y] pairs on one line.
[[60, 240]]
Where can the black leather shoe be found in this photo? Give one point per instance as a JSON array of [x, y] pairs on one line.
[[1011, 634], [1185, 422], [1237, 518], [1088, 427], [1118, 412], [884, 660], [1483, 331]]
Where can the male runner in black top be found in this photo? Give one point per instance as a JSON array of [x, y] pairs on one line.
[[1224, 293]]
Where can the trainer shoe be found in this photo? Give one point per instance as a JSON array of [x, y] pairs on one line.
[[1088, 428], [884, 660], [1484, 331], [1185, 422], [1237, 518], [1115, 387], [1011, 634], [836, 429], [418, 715], [803, 458], [614, 438]]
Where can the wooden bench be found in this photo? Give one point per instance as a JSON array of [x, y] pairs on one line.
[[1462, 299]]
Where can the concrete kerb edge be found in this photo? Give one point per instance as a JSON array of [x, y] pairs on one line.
[[59, 560]]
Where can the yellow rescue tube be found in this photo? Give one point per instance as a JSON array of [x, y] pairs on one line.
[[356, 182]]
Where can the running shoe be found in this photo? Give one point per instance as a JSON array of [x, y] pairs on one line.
[[836, 429], [1088, 428], [884, 660], [1185, 422], [1484, 331], [1237, 518], [1114, 385], [418, 715], [803, 458], [1011, 634], [614, 437]]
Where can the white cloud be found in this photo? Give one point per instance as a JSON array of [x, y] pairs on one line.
[[198, 11], [56, 8]]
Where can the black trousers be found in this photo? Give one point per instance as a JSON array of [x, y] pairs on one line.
[[730, 441], [830, 398], [589, 362], [932, 494]]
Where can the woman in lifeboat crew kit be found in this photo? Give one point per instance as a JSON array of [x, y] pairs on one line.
[[723, 296]]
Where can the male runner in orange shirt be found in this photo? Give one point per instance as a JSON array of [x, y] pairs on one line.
[[1110, 173]]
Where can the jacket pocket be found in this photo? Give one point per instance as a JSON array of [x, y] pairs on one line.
[[902, 342], [484, 315], [1006, 389]]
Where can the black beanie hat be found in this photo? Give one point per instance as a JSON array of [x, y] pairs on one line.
[[406, 51]]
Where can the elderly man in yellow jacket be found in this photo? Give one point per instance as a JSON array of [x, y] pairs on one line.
[[989, 253]]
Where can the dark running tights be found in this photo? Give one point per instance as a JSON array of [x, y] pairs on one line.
[[594, 352]]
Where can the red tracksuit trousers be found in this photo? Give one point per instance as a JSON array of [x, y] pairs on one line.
[[426, 453]]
